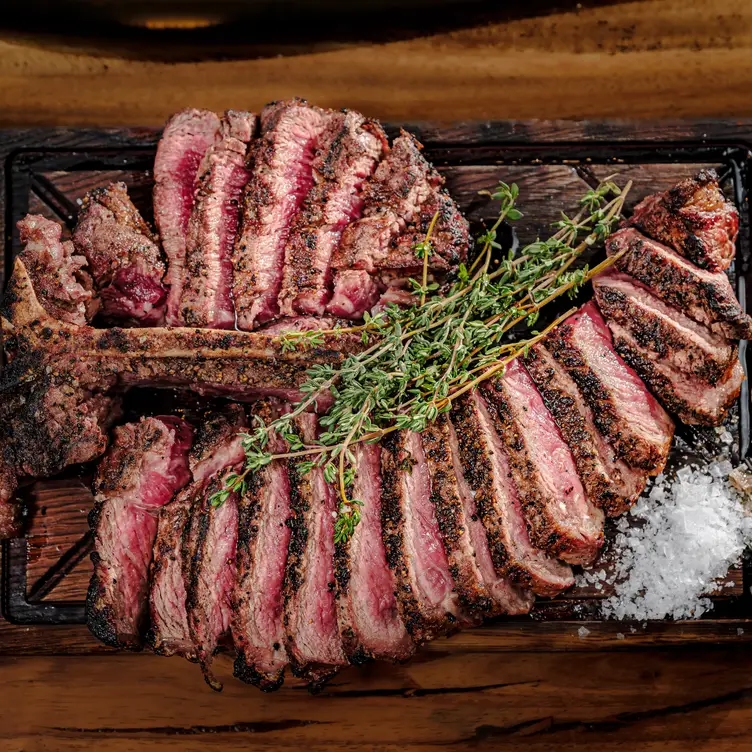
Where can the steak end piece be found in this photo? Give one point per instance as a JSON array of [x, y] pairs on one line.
[[146, 465], [694, 218], [124, 258], [185, 140]]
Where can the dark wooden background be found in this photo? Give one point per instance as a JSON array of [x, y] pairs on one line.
[[645, 59]]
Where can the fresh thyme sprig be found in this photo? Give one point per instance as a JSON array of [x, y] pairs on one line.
[[417, 360]]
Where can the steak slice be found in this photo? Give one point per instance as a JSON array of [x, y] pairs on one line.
[[124, 258], [214, 448], [281, 176], [624, 411], [209, 548], [207, 287], [481, 591], [355, 292], [185, 140], [314, 645], [369, 620], [609, 482], [62, 284], [428, 603], [258, 629], [694, 218], [689, 398], [487, 472], [348, 152], [663, 333], [706, 297], [561, 519], [146, 465]]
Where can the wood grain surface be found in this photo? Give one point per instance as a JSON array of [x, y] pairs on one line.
[[649, 59]]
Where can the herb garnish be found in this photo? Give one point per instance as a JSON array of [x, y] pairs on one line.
[[417, 360]]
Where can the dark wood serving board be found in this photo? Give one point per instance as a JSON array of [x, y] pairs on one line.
[[44, 577]]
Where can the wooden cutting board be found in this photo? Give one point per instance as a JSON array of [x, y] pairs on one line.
[[48, 171]]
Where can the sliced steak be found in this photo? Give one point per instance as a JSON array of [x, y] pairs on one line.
[[487, 472], [428, 603], [369, 620], [663, 332], [258, 629], [282, 174], [704, 296], [355, 292], [609, 482], [561, 519], [691, 399], [207, 288], [60, 279], [624, 410], [146, 465], [124, 258], [481, 591], [348, 152], [215, 447], [694, 218], [185, 140], [314, 645]]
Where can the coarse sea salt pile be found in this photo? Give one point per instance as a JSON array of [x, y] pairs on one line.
[[683, 537]]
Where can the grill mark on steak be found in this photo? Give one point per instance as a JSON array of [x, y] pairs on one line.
[[124, 258], [369, 621], [314, 645], [60, 278], [347, 155], [207, 288], [185, 140], [487, 471], [624, 411], [281, 176], [561, 519], [609, 481], [481, 592], [689, 398], [258, 602], [694, 218], [428, 604], [146, 465], [707, 297], [663, 333]]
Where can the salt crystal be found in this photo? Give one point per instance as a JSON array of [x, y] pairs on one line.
[[620, 636], [583, 632], [727, 438], [739, 631], [79, 201]]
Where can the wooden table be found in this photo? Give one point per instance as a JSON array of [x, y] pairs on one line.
[[651, 59]]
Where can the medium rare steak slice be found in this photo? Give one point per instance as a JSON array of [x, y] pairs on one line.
[[124, 258], [561, 519], [664, 333], [355, 292], [60, 279], [257, 624], [428, 602], [348, 152], [282, 174], [209, 546], [185, 140], [314, 645], [694, 218], [207, 288], [691, 399], [704, 296], [624, 410], [481, 591], [146, 465], [609, 481], [369, 620], [487, 471]]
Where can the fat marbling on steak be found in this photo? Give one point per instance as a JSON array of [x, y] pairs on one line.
[[207, 280], [185, 140], [146, 465], [124, 257]]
